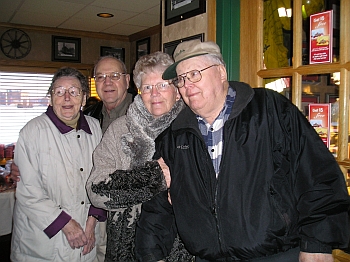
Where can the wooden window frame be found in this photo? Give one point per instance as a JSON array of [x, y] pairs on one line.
[[253, 72]]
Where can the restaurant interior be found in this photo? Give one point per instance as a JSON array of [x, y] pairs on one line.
[[276, 37]]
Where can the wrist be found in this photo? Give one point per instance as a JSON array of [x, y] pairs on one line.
[[94, 216]]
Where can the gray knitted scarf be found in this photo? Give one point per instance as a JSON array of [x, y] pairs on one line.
[[143, 130]]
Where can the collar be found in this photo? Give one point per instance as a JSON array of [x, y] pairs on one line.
[[244, 94], [62, 127]]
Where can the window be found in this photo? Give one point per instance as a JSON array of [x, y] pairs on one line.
[[93, 91], [328, 81], [23, 96]]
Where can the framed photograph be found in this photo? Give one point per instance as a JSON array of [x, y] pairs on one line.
[[66, 49], [142, 47], [113, 51], [178, 10], [170, 46]]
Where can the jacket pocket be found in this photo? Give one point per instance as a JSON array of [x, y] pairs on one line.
[[280, 222]]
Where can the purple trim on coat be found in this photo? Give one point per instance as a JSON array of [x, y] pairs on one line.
[[57, 224], [100, 213], [62, 127]]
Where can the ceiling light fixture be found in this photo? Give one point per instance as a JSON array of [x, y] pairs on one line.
[[105, 15]]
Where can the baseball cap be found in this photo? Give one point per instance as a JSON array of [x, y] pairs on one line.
[[188, 49]]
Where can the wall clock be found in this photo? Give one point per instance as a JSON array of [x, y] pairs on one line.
[[15, 43]]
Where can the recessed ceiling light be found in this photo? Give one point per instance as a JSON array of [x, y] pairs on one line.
[[105, 15]]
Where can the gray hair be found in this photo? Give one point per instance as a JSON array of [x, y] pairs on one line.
[[155, 62], [218, 60], [113, 57], [70, 72]]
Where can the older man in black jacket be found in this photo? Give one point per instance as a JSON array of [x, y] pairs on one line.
[[250, 178]]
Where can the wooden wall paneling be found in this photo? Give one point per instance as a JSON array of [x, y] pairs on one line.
[[344, 87], [211, 11], [251, 37]]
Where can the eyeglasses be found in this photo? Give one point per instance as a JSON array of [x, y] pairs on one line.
[[193, 76], [161, 87], [113, 76], [61, 91]]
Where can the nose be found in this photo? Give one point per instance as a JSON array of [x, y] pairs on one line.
[[66, 95], [154, 91], [108, 79], [186, 82]]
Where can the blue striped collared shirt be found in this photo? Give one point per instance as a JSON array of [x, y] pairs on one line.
[[213, 134]]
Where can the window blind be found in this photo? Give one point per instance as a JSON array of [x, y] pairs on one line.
[[93, 87], [23, 96]]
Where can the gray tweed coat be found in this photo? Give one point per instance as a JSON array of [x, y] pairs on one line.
[[123, 176]]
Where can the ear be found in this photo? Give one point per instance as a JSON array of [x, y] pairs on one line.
[[178, 96], [223, 72], [83, 103], [127, 79]]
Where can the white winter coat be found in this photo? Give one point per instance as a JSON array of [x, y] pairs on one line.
[[54, 169]]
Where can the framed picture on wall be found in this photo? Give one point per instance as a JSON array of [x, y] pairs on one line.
[[113, 51], [178, 10], [170, 46], [66, 49], [142, 47]]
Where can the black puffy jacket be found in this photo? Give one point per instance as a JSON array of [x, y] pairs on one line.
[[278, 187]]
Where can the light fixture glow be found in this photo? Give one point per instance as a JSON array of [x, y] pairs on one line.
[[283, 12], [105, 15]]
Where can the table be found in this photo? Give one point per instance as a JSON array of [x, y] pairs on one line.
[[7, 202]]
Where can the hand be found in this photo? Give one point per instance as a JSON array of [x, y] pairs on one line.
[[166, 171], [90, 234], [169, 197], [15, 175], [315, 257], [74, 234]]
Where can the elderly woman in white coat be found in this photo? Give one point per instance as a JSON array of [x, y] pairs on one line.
[[53, 219]]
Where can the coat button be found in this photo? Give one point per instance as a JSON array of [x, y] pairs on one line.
[[78, 136], [81, 169], [82, 202]]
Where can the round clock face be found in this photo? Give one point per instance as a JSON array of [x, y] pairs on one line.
[[15, 43]]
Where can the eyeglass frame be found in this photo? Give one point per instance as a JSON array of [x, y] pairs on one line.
[[66, 90], [156, 86], [109, 75], [184, 75]]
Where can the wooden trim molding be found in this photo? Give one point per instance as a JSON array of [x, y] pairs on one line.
[[42, 66], [68, 32], [211, 18]]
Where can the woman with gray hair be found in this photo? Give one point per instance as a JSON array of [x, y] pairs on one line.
[[53, 219], [123, 176]]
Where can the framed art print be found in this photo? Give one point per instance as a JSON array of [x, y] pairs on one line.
[[142, 47], [66, 49], [113, 51], [178, 10]]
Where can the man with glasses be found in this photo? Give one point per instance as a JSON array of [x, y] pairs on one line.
[[112, 82], [250, 178]]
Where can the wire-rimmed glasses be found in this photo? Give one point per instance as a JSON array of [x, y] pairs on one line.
[[161, 87], [193, 76], [61, 91], [113, 76]]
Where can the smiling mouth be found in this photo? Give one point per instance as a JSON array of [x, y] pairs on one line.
[[192, 95], [67, 107]]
